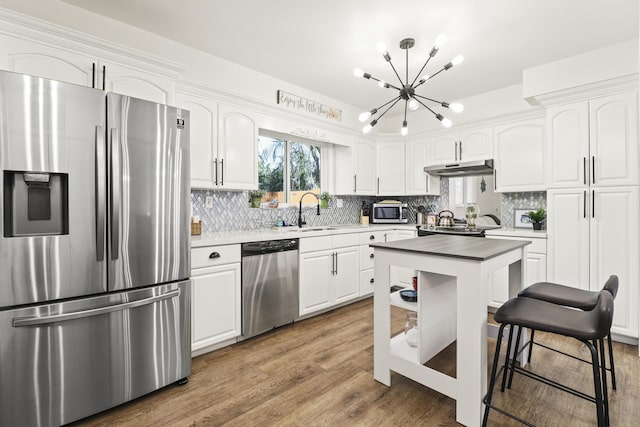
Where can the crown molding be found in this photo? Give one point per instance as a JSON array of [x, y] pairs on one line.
[[34, 29], [588, 91]]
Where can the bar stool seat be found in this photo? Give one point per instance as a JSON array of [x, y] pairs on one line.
[[576, 298], [589, 327]]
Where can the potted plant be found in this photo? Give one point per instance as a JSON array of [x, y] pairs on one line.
[[324, 199], [255, 197], [537, 218]]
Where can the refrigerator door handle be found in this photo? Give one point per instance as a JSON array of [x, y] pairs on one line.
[[34, 321], [101, 183], [115, 193]]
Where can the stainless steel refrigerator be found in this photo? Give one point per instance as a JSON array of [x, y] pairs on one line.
[[94, 250]]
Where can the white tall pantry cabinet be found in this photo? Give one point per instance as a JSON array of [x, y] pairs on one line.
[[594, 199]]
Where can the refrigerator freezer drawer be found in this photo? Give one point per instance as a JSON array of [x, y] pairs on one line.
[[65, 361]]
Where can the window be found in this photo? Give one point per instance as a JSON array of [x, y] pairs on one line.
[[287, 169]]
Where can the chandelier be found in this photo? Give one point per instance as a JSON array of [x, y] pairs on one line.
[[406, 89]]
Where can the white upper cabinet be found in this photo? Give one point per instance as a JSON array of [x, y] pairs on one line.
[[417, 181], [135, 83], [390, 168], [237, 161], [203, 113], [472, 144], [58, 64], [27, 57], [355, 168], [593, 143], [613, 126], [519, 156]]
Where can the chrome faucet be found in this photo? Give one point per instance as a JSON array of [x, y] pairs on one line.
[[301, 222]]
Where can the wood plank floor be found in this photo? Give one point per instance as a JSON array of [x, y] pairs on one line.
[[319, 372]]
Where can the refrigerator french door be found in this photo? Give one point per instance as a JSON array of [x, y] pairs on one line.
[[94, 249]]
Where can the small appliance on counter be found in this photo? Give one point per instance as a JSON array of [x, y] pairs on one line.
[[389, 212]]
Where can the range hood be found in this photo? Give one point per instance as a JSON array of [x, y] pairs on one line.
[[471, 168]]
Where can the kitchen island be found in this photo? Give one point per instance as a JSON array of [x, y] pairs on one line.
[[453, 278]]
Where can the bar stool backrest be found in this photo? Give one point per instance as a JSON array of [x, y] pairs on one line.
[[604, 313], [612, 285]]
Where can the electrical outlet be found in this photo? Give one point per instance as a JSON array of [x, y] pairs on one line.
[[208, 202], [339, 203]]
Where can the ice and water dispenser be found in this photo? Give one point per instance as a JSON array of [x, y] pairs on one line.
[[35, 203]]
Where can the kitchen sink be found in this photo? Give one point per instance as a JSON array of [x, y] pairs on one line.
[[317, 229]]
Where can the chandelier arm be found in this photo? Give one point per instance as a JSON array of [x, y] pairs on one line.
[[420, 72], [405, 110], [387, 103], [430, 77], [425, 106], [390, 107], [429, 99], [396, 71], [387, 85]]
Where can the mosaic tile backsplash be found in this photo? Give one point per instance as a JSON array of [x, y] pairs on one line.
[[513, 201], [232, 210]]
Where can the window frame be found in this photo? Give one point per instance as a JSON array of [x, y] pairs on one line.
[[325, 155]]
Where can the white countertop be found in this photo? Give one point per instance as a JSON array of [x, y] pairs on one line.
[[275, 233]]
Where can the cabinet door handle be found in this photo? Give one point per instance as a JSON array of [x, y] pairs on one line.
[[460, 150], [222, 172], [593, 169], [593, 204], [372, 237], [584, 204], [354, 183], [426, 183], [214, 255], [455, 151], [371, 256], [584, 170], [336, 254], [378, 186], [372, 280], [93, 75], [104, 76], [215, 170], [495, 179]]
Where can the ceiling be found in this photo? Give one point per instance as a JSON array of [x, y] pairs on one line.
[[316, 45]]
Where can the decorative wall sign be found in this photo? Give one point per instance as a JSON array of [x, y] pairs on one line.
[[299, 103]]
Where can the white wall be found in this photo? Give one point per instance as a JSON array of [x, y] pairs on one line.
[[602, 64]]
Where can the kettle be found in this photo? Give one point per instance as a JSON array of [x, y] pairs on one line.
[[445, 219]]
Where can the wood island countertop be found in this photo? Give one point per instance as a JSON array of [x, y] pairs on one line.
[[466, 247]]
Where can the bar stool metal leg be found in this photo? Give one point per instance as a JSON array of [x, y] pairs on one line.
[[611, 365], [506, 358], [492, 382], [515, 356], [605, 391], [597, 383]]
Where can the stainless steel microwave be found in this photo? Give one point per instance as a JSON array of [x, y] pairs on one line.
[[389, 213]]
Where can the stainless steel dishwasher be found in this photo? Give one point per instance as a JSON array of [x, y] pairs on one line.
[[269, 285]]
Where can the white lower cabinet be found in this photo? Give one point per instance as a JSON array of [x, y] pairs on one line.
[[536, 269], [328, 271], [367, 260], [215, 297], [594, 233]]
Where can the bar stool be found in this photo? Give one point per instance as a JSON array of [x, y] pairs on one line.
[[589, 327], [576, 298]]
